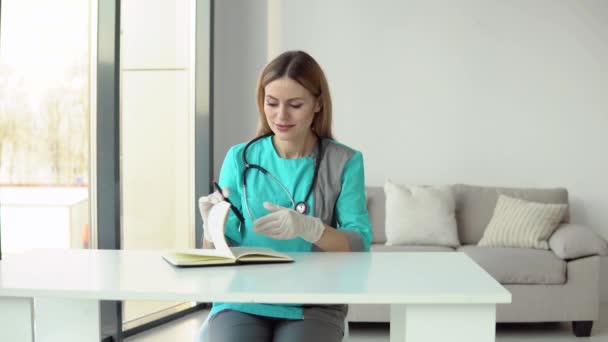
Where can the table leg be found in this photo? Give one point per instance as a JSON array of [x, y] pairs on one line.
[[16, 319], [66, 320], [443, 322]]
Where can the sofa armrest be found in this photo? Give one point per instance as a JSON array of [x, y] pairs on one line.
[[571, 241]]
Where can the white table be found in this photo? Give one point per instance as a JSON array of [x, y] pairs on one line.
[[433, 296]]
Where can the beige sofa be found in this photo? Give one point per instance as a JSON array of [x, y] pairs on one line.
[[560, 284]]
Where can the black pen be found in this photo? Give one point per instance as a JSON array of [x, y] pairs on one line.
[[234, 209]]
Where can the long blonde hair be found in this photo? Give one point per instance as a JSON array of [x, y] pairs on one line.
[[302, 68]]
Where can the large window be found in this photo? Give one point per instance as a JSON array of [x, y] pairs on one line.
[[156, 135], [45, 113], [137, 187]]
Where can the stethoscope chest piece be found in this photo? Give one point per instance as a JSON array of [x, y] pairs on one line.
[[302, 208]]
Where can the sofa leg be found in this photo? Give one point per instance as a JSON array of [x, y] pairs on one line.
[[582, 328]]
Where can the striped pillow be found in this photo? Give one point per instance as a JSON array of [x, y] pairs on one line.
[[523, 224]]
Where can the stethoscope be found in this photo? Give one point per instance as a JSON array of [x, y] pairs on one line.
[[301, 206]]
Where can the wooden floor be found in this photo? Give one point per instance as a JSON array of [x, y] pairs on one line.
[[185, 328]]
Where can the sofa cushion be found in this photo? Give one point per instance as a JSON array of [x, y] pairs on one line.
[[518, 265], [523, 224], [376, 247], [571, 241], [375, 205], [420, 215], [475, 206]]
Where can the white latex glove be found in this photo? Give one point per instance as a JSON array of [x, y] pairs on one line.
[[205, 203], [284, 223]]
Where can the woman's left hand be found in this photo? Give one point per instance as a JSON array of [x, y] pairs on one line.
[[284, 223]]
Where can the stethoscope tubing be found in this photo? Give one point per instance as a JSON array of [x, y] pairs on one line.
[[296, 206], [293, 203]]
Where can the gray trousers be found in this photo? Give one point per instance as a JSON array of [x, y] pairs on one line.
[[236, 326]]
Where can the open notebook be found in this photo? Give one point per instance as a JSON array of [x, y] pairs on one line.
[[222, 254]]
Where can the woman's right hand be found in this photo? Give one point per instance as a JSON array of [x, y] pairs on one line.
[[205, 203]]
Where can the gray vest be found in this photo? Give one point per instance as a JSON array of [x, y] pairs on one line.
[[326, 191], [329, 185]]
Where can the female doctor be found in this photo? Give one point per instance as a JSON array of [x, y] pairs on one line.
[[293, 189]]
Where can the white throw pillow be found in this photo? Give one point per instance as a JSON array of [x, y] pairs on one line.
[[419, 215], [521, 223]]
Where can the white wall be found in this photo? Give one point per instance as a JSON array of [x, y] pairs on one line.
[[499, 93], [509, 93]]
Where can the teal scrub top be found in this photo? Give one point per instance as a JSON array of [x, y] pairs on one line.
[[296, 175]]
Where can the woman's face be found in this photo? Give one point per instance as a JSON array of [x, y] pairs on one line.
[[290, 109]]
